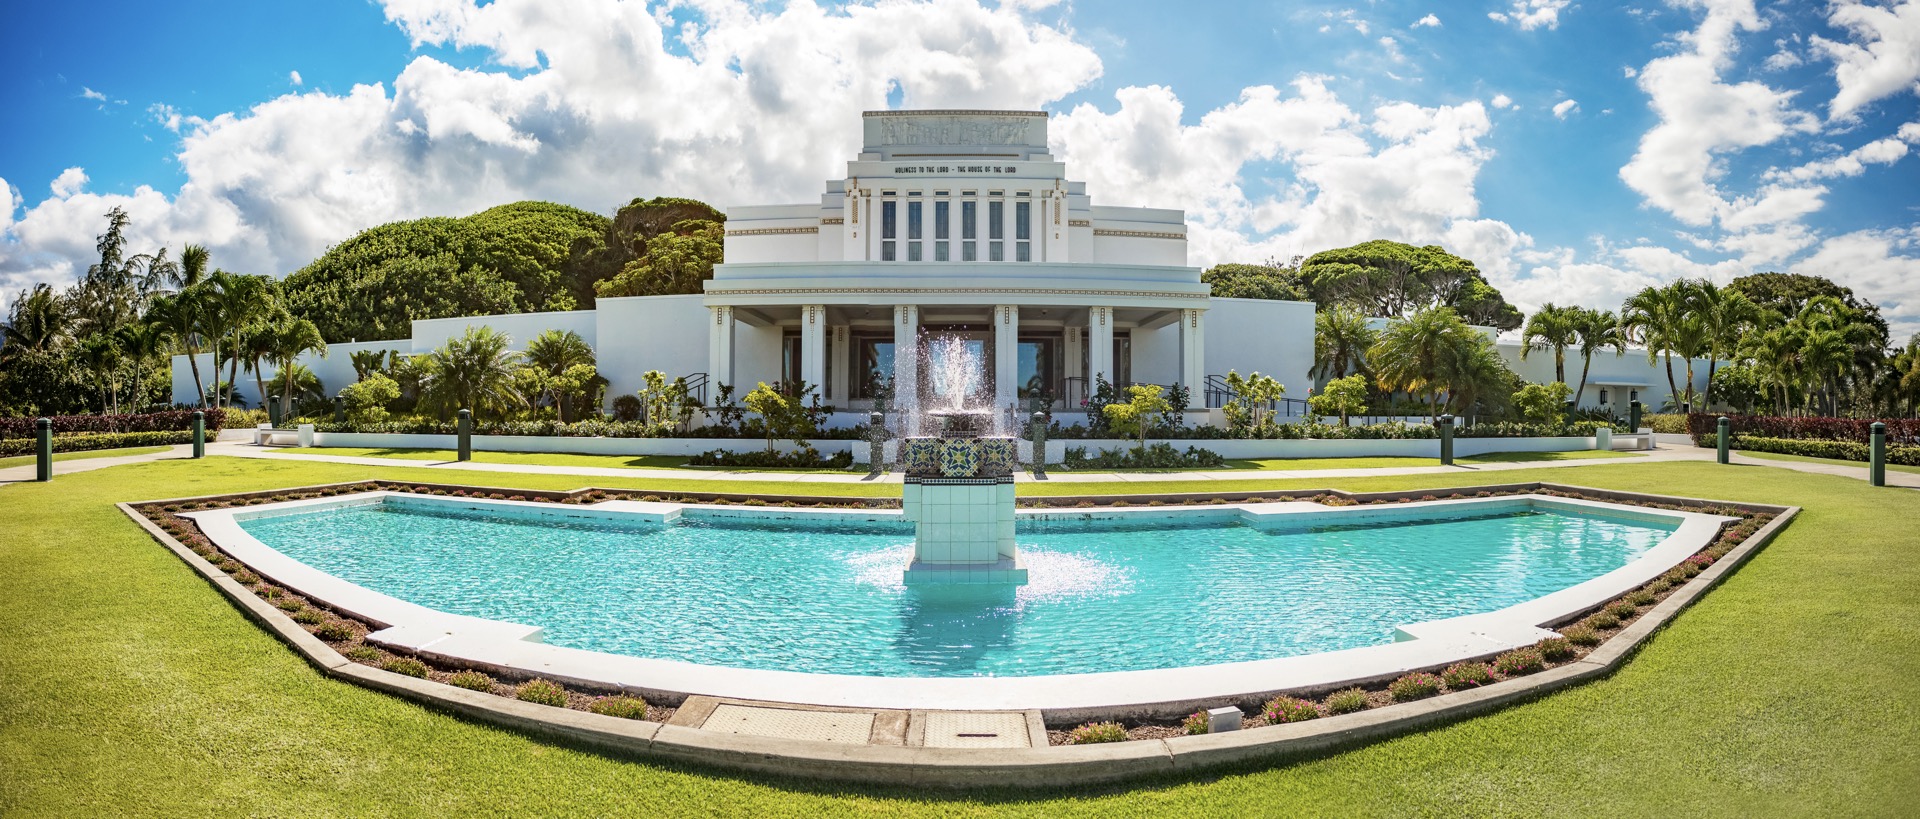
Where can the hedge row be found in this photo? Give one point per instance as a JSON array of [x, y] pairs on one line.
[[168, 421], [1899, 430], [87, 441], [579, 429], [1839, 450]]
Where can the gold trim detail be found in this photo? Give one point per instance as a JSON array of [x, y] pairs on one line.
[[773, 231], [833, 220], [1138, 234], [1079, 223]]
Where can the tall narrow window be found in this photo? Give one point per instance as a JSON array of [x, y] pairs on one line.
[[996, 231], [888, 225], [1023, 231], [969, 230], [941, 230], [913, 231]]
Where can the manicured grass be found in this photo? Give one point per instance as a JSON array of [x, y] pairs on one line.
[[1775, 456], [27, 460], [130, 687], [1300, 464], [532, 458]]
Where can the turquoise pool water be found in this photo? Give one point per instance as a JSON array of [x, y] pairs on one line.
[[826, 597]]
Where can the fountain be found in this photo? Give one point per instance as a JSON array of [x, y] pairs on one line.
[[959, 480]]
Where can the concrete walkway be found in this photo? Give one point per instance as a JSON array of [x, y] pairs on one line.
[[251, 451], [26, 474]]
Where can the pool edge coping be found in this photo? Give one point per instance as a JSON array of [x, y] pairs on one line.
[[1047, 767]]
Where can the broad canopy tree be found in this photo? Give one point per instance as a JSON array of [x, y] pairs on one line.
[[1393, 280]]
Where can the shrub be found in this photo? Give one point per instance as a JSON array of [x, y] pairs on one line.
[[543, 692], [1642, 597], [1156, 456], [1555, 649], [88, 441], [168, 421], [1093, 732], [333, 632], [1581, 635], [1195, 723], [1603, 620], [309, 617], [1347, 701], [405, 665], [246, 578], [472, 680], [289, 604], [1462, 676], [1288, 709], [622, 707], [1415, 686], [1622, 609], [1518, 662], [362, 653]]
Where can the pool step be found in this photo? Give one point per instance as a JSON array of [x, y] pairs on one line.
[[865, 726]]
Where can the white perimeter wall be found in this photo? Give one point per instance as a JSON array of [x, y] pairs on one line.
[[641, 333], [1631, 367], [429, 334], [1274, 338], [335, 371]]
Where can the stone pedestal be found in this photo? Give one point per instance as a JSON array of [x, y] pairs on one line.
[[963, 531]]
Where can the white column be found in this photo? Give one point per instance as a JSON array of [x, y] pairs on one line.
[[1099, 345], [1193, 355], [1072, 338], [719, 348], [1006, 356], [906, 356], [813, 347], [840, 339]]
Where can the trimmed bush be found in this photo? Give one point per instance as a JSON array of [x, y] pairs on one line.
[[309, 617], [1581, 635], [622, 707], [289, 605], [333, 632], [89, 441], [1555, 649], [405, 665], [472, 680], [168, 421], [362, 653], [1622, 609], [543, 692], [1346, 702], [1094, 732], [1195, 723], [1288, 709], [1603, 620], [1416, 686], [1643, 597], [1462, 676], [1518, 662]]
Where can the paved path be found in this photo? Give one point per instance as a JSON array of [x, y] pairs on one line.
[[23, 474], [251, 451]]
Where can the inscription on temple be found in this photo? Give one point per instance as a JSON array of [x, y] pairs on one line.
[[954, 130]]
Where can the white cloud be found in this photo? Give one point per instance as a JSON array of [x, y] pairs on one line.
[[1501, 101], [1531, 14], [1564, 107], [1675, 167], [10, 199], [68, 183], [1429, 21], [1629, 72], [294, 77], [1853, 163], [1782, 60], [88, 93], [1879, 264], [1911, 132], [1882, 60]]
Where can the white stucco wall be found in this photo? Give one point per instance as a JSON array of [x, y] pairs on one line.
[[641, 333], [335, 371], [1274, 338], [429, 334], [1618, 373]]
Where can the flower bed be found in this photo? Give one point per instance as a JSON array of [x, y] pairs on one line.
[[1704, 427], [168, 421]]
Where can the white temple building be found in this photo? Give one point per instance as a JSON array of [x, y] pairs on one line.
[[951, 223]]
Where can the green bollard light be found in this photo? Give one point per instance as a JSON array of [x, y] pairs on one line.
[[43, 449], [1877, 456], [199, 434], [1633, 416], [1723, 429], [1446, 440], [466, 435]]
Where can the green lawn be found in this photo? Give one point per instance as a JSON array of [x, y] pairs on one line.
[[27, 460], [1775, 456], [129, 687], [1298, 464], [532, 458]]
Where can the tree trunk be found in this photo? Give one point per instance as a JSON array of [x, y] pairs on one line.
[[1560, 364], [1673, 390], [233, 373], [193, 361], [1586, 364]]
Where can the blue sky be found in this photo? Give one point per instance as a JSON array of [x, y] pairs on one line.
[[1577, 151]]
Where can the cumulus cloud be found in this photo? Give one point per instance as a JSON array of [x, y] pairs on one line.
[[88, 93], [1429, 21], [1531, 14], [68, 183], [1883, 59], [1880, 263], [1501, 101], [1853, 163], [1564, 107], [294, 77]]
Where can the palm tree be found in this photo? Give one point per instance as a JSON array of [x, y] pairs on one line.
[[473, 371], [37, 323], [1596, 330], [1659, 319], [1777, 354], [101, 355], [244, 301], [1341, 338], [1413, 352], [1477, 378], [144, 343], [292, 339], [1726, 314], [1552, 328], [294, 379], [256, 344], [368, 362], [181, 313], [553, 352]]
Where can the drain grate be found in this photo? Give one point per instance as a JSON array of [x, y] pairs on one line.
[[977, 729], [788, 723]]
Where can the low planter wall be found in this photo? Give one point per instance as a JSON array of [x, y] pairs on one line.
[[1344, 448], [584, 446]]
